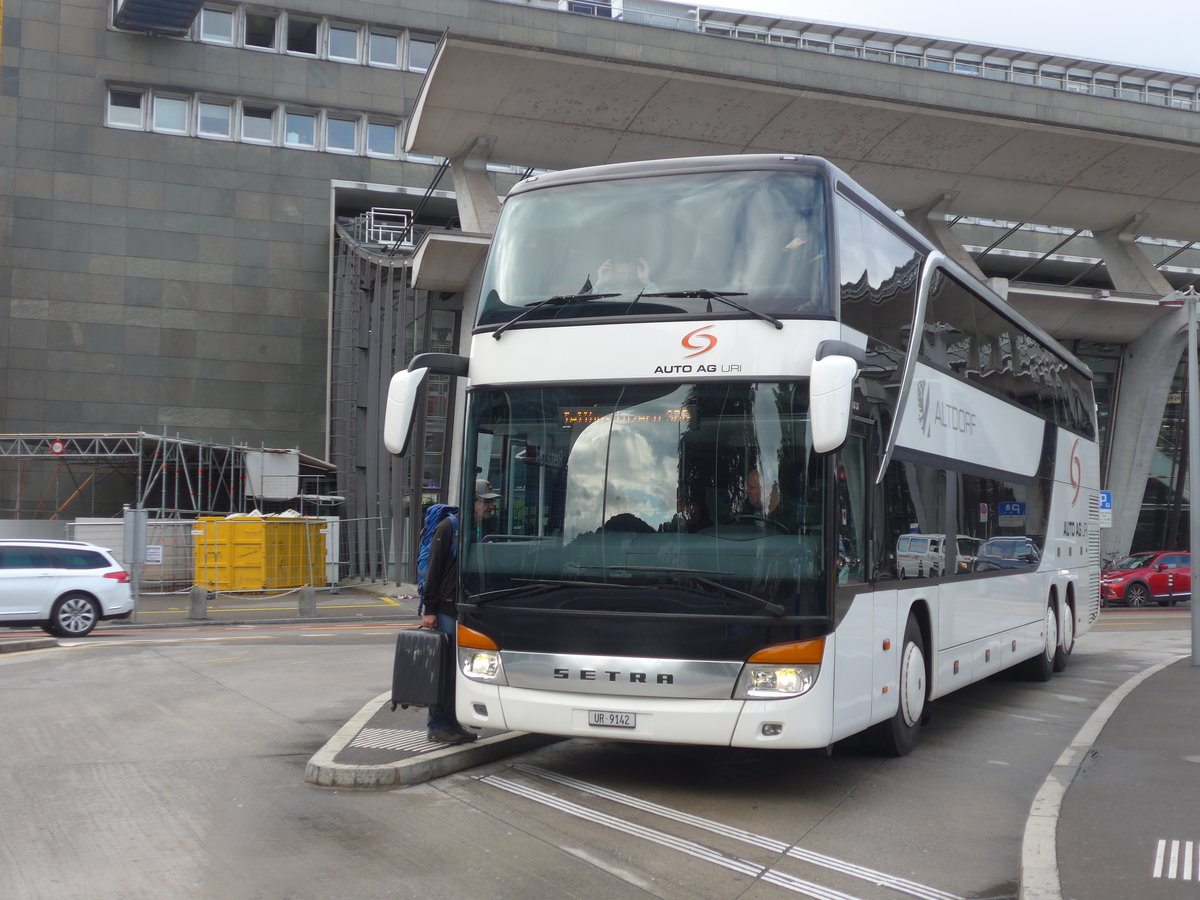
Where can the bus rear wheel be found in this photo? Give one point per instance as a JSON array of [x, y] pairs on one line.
[[1041, 667], [1062, 654], [898, 735]]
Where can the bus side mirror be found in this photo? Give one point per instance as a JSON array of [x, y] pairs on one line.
[[830, 390], [400, 410], [398, 414]]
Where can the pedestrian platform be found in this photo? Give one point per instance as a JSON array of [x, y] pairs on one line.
[[382, 748]]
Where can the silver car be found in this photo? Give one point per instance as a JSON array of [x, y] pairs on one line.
[[66, 587]]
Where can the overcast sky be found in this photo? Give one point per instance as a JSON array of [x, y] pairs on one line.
[[1157, 34]]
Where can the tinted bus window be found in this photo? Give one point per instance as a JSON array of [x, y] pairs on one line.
[[878, 275]]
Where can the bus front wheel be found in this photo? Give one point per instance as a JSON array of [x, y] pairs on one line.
[[898, 735]]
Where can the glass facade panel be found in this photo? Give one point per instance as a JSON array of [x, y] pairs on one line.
[[384, 49], [300, 130], [343, 43], [258, 124], [260, 30], [170, 114], [216, 25], [215, 119], [420, 53], [302, 35], [341, 134], [125, 108], [382, 139]]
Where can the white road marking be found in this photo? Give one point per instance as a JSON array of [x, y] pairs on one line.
[[903, 885], [1171, 864]]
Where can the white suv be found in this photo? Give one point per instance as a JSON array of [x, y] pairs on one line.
[[66, 587]]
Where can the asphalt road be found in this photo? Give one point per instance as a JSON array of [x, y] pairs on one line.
[[170, 762]]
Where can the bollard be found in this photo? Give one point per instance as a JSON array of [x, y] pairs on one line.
[[197, 602], [308, 601]]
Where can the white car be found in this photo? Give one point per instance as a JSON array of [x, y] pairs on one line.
[[66, 587]]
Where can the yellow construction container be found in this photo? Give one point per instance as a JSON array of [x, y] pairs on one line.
[[259, 553]]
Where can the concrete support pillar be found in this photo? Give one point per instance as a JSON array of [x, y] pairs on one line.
[[1127, 265], [478, 205], [1147, 368], [308, 602], [198, 602], [930, 220]]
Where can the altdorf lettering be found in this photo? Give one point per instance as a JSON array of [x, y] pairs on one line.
[[954, 418]]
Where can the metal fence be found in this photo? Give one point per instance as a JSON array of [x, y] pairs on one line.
[[251, 554]]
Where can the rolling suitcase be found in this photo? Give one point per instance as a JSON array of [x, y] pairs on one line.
[[421, 668]]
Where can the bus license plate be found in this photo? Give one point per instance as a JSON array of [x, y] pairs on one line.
[[603, 719]]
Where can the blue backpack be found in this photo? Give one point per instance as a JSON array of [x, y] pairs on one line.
[[433, 518]]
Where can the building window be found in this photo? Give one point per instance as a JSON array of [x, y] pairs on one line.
[[384, 49], [300, 130], [216, 25], [601, 8], [171, 114], [382, 139], [341, 135], [420, 53], [343, 43], [125, 109], [258, 124], [215, 119], [260, 30], [302, 35]]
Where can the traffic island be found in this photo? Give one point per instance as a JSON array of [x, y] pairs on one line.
[[380, 749]]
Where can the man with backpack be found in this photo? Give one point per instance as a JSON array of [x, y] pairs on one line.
[[439, 610]]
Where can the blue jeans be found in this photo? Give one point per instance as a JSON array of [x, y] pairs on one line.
[[443, 718]]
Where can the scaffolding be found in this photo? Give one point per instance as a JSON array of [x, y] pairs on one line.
[[70, 475]]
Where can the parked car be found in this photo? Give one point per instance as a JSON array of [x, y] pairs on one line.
[[1164, 576], [1007, 553], [66, 587], [921, 555]]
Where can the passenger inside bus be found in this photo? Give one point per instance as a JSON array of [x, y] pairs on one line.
[[623, 274]]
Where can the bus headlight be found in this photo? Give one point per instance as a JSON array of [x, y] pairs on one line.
[[781, 670], [481, 665], [479, 656], [760, 682]]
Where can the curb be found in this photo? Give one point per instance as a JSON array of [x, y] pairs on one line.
[[21, 644], [323, 771], [1039, 878]]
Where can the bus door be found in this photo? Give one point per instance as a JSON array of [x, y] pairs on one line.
[[854, 605]]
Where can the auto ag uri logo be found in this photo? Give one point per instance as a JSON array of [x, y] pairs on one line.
[[699, 341]]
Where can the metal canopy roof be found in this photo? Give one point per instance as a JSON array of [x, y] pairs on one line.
[[1023, 154]]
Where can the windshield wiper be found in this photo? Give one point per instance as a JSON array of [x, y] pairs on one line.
[[697, 577], [534, 586], [557, 300], [723, 296]]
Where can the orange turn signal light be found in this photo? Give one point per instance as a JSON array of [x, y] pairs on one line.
[[472, 639], [796, 653]]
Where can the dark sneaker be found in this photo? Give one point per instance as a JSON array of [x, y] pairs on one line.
[[450, 736], [468, 736]]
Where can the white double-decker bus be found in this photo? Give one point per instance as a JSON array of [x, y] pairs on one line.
[[714, 395]]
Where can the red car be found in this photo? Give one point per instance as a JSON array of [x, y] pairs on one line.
[[1164, 576]]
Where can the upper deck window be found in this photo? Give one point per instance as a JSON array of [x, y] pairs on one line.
[[758, 237]]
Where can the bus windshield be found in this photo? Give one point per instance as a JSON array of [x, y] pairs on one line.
[[662, 246], [706, 497]]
